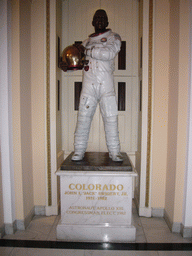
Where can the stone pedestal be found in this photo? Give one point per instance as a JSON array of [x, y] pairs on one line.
[[96, 199]]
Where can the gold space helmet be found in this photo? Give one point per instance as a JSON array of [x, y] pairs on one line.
[[73, 57]]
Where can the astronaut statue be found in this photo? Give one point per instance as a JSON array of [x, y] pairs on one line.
[[101, 49]]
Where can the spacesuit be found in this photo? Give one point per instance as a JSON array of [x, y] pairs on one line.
[[98, 87]]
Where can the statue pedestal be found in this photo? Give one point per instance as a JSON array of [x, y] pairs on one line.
[[96, 199]]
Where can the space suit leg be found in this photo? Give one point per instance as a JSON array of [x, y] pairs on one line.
[[112, 137], [108, 107], [81, 137], [87, 109]]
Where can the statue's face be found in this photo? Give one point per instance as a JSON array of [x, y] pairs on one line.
[[100, 21]]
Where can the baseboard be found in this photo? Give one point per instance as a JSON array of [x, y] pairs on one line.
[[51, 210], [2, 231], [144, 211], [39, 210], [175, 227], [136, 200], [23, 224], [157, 212], [186, 231], [10, 228], [19, 224]]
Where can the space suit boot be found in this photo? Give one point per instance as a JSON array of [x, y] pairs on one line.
[[112, 138], [81, 137], [116, 157], [77, 156]]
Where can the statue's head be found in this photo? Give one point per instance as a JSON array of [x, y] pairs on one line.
[[100, 20]]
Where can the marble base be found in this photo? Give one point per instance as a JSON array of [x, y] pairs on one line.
[[96, 233], [96, 200]]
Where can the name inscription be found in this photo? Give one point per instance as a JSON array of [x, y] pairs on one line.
[[95, 194], [100, 187], [96, 191]]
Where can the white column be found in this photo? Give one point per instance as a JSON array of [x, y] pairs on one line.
[[53, 209], [144, 211], [187, 209], [6, 116]]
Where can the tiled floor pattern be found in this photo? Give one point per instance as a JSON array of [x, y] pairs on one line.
[[149, 230]]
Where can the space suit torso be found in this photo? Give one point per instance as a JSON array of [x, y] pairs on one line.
[[101, 51]]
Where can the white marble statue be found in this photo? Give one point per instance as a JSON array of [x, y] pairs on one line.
[[101, 49]]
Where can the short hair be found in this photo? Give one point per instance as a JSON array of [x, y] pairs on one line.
[[100, 10]]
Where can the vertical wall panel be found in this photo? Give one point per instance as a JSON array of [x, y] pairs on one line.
[[58, 95], [122, 56], [121, 96], [78, 87]]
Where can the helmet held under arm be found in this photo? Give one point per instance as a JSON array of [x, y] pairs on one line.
[[73, 58]]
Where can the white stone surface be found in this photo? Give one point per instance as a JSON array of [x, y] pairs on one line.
[[96, 206], [96, 233]]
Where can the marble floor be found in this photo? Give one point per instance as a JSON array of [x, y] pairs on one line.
[[153, 237]]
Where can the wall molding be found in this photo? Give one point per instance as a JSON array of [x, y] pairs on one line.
[[23, 224], [187, 206], [147, 84], [10, 228], [6, 140], [149, 115], [39, 210], [186, 231], [48, 110], [145, 212], [175, 227], [51, 210], [157, 212], [2, 231]]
